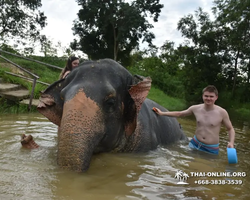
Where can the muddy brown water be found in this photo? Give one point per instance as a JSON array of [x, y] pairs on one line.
[[34, 174]]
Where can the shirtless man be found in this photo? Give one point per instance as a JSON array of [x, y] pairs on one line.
[[209, 118]]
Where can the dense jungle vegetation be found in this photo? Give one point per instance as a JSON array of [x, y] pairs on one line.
[[216, 48]]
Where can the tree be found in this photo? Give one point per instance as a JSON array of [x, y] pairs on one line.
[[202, 59], [47, 47], [171, 58], [233, 18], [219, 50], [20, 19], [113, 28]]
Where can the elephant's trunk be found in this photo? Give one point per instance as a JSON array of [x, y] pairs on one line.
[[81, 130]]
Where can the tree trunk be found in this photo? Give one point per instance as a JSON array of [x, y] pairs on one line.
[[248, 72], [235, 71], [115, 43]]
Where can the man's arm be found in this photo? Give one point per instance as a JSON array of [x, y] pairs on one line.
[[183, 113], [230, 129]]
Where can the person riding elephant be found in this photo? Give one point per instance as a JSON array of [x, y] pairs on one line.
[[101, 107], [72, 63]]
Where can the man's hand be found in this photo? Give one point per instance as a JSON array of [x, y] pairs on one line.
[[157, 111], [230, 145]]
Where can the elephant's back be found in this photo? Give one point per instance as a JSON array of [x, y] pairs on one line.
[[161, 129]]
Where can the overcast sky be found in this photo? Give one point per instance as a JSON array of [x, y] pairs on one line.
[[61, 13]]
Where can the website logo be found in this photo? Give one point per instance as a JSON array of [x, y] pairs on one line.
[[214, 178], [182, 177]]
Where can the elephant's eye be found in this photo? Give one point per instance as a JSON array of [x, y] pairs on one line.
[[110, 105]]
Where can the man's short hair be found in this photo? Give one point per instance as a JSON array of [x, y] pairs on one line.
[[210, 88]]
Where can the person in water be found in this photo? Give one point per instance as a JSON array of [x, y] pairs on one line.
[[28, 142], [209, 118]]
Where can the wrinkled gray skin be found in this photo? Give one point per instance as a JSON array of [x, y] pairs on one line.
[[101, 107]]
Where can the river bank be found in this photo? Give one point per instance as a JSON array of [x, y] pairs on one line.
[[170, 103], [237, 111]]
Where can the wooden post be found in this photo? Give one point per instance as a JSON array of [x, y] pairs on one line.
[[32, 93]]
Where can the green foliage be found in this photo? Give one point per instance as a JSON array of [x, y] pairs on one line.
[[112, 29], [52, 60], [240, 113], [8, 106], [21, 19], [243, 113], [8, 48], [218, 53], [232, 19], [159, 73], [202, 63]]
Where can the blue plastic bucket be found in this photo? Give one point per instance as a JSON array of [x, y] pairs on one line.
[[232, 156]]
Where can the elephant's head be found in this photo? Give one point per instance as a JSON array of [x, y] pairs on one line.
[[96, 108]]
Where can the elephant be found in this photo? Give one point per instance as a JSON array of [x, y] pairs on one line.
[[101, 107]]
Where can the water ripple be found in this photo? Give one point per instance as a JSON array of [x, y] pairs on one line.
[[34, 174]]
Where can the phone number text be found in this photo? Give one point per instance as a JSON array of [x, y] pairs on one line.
[[218, 182]]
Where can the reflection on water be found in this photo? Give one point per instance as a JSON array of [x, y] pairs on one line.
[[34, 174]]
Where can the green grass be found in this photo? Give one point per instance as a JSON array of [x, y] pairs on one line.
[[171, 103], [46, 74], [245, 113], [3, 69], [242, 113], [8, 106]]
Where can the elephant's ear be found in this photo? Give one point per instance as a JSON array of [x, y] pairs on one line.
[[138, 92], [51, 104]]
